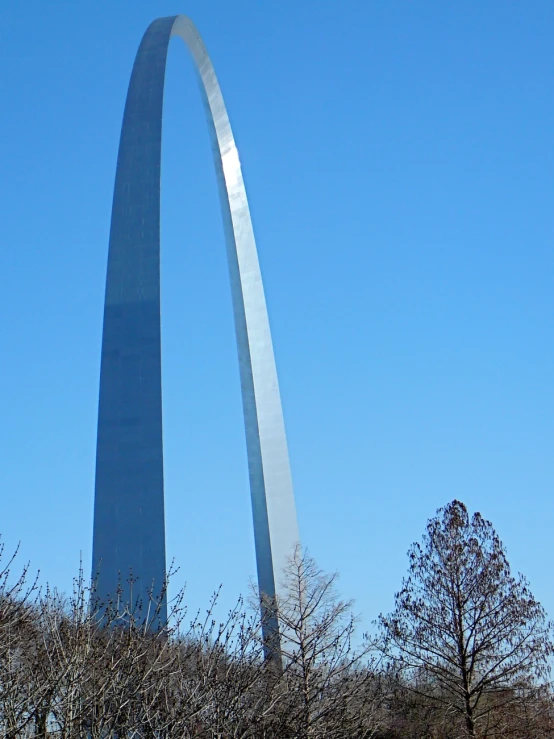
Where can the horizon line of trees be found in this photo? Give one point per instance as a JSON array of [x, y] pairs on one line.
[[466, 652]]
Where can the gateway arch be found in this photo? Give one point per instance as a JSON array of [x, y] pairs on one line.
[[129, 536]]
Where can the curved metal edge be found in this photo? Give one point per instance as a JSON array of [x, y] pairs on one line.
[[270, 476]]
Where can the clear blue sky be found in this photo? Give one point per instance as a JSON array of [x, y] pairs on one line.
[[399, 162]]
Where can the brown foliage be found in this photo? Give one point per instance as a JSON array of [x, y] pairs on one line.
[[68, 671], [467, 635], [465, 653]]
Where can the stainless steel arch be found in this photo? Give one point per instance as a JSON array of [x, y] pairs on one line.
[[129, 506]]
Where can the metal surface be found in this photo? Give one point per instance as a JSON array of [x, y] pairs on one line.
[[129, 504]]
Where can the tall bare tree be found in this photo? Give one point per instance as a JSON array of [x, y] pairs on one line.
[[328, 685], [466, 623]]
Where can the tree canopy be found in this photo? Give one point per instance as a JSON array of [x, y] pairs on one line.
[[469, 634]]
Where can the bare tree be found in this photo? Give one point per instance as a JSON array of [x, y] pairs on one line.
[[328, 687], [461, 619], [18, 694]]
